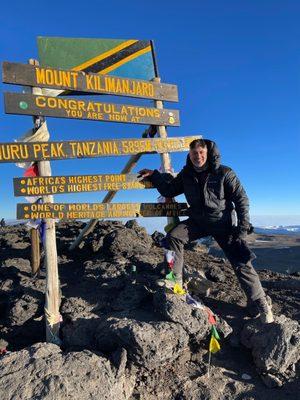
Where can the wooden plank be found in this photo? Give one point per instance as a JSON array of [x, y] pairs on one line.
[[35, 258], [99, 210], [165, 157], [41, 186], [36, 151], [77, 81], [63, 107]]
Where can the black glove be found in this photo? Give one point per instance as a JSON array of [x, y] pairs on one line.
[[241, 231]]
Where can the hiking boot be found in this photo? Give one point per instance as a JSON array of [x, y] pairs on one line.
[[252, 309], [265, 310]]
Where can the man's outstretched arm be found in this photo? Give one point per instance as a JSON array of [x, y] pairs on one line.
[[166, 187]]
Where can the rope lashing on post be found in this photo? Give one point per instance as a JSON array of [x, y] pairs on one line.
[[51, 320]]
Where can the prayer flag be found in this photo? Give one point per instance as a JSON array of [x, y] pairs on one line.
[[215, 333], [171, 277], [214, 345], [178, 289]]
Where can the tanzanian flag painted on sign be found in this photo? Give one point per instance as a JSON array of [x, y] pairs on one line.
[[119, 57]]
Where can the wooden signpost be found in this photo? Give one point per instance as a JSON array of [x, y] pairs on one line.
[[41, 186], [99, 210], [36, 151], [89, 75], [27, 75], [63, 107]]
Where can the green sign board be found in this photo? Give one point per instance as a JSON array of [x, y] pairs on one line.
[[128, 58]]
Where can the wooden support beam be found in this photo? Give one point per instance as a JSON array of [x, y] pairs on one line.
[[165, 157], [52, 300], [35, 259]]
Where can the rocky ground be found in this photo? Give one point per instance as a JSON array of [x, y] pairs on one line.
[[126, 338]]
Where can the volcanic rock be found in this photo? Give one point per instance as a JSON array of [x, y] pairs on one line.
[[53, 374], [148, 344], [127, 241], [275, 347]]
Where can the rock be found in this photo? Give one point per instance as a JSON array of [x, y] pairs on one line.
[[223, 327], [157, 237], [132, 224], [197, 247], [148, 344], [195, 321], [246, 377], [289, 284], [130, 298], [127, 242], [215, 274], [80, 333], [275, 347], [21, 263], [175, 309], [271, 381], [77, 375], [3, 344], [25, 308], [75, 307], [199, 285]]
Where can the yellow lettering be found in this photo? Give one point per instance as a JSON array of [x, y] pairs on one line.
[[40, 101], [40, 75]]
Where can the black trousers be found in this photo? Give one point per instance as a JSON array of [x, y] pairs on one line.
[[237, 252]]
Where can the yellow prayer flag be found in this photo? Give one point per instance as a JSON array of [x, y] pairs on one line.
[[178, 289], [214, 345]]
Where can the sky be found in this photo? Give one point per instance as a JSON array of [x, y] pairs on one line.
[[237, 68]]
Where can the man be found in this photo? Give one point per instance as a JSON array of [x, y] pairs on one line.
[[213, 191]]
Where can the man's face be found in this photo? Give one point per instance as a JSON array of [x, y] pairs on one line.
[[198, 156]]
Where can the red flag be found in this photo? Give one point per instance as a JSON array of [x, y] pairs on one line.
[[211, 318], [32, 170]]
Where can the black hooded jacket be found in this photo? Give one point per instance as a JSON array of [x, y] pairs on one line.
[[221, 193]]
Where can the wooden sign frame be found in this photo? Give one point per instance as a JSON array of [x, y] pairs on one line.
[[42, 186], [73, 108], [99, 210], [78, 81], [36, 151]]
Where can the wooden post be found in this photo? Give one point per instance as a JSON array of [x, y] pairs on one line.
[[165, 157], [35, 251], [52, 300], [162, 132]]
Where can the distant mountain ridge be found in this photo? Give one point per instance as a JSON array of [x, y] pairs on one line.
[[265, 230]]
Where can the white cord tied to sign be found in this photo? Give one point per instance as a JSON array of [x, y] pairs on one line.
[[41, 135]]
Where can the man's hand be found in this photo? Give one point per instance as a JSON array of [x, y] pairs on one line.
[[241, 232], [145, 173]]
